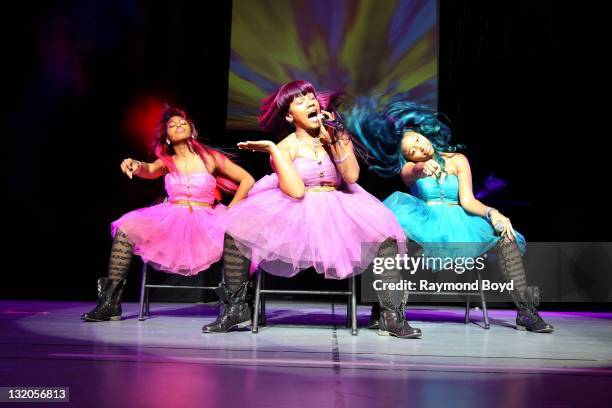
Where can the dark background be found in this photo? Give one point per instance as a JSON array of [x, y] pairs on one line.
[[523, 83]]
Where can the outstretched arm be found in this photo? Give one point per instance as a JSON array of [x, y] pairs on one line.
[[289, 180], [143, 169]]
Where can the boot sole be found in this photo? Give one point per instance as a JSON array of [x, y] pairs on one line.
[[525, 328], [241, 325], [388, 333], [112, 318]]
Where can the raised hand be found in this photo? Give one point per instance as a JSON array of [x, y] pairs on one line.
[[257, 146], [130, 166], [428, 168], [327, 136]]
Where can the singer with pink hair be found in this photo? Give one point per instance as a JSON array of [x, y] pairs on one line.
[[310, 212], [185, 234]]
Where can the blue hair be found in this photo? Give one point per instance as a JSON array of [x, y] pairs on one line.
[[367, 123], [381, 129]]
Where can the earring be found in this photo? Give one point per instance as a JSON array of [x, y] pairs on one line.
[[168, 142]]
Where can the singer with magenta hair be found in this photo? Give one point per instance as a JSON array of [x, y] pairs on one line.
[[310, 212], [185, 234], [410, 140]]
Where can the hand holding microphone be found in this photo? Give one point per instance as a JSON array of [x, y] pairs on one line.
[[332, 123], [501, 224]]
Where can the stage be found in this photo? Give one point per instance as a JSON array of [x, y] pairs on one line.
[[305, 356]]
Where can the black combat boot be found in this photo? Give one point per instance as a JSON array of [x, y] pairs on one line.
[[527, 317], [108, 307], [235, 313]]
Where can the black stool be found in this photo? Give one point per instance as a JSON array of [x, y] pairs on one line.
[[260, 304], [144, 291], [483, 301]]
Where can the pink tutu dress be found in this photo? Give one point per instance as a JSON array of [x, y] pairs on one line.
[[335, 229], [183, 235]]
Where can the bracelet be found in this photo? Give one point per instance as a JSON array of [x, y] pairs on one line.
[[488, 213], [342, 159], [332, 143], [139, 166]]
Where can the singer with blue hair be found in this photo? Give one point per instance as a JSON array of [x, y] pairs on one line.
[[441, 212]]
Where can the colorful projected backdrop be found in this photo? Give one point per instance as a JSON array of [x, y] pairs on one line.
[[367, 47]]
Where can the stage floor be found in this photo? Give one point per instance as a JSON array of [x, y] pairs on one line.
[[304, 357]]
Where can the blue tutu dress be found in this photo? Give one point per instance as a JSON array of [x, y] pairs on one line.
[[432, 217]]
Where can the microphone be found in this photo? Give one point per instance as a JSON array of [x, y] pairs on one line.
[[336, 124]]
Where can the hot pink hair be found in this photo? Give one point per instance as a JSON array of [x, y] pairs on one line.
[[164, 151], [275, 106]]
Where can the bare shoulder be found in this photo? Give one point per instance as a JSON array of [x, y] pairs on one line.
[[213, 161], [458, 159], [288, 144], [287, 141]]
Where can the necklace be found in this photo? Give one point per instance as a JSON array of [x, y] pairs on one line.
[[315, 145], [184, 164], [316, 142]]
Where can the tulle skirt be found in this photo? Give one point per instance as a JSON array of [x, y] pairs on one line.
[[444, 230], [173, 239], [337, 232]]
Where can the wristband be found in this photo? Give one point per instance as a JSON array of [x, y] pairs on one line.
[[342, 159]]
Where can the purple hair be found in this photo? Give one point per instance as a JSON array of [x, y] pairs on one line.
[[274, 107]]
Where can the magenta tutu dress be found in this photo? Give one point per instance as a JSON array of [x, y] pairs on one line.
[[336, 231], [182, 235]]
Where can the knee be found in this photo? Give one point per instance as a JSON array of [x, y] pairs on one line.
[[388, 247], [228, 240], [121, 236]]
